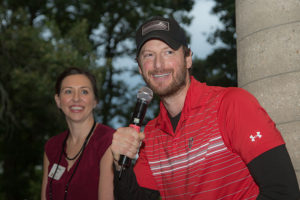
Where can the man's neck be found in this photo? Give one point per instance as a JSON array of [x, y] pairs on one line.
[[174, 104]]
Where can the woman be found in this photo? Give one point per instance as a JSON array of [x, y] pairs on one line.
[[78, 162]]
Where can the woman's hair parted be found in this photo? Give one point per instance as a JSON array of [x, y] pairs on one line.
[[75, 71]]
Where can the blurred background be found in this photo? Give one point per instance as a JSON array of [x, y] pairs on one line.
[[39, 39]]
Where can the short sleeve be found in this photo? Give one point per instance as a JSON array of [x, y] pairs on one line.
[[246, 127], [143, 172], [53, 146], [103, 139]]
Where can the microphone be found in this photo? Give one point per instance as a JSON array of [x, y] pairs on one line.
[[144, 96]]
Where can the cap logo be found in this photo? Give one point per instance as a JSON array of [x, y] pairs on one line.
[[156, 25]]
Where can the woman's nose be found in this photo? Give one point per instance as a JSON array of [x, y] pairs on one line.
[[76, 96]]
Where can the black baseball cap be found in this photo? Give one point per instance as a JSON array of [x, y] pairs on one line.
[[165, 29]]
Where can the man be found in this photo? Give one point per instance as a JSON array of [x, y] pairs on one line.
[[207, 142]]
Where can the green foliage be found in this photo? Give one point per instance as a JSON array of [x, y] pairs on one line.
[[220, 67], [28, 116], [38, 40]]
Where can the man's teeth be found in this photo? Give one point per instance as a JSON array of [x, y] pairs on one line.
[[161, 75]]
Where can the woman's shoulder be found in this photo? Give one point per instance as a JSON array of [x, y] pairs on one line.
[[56, 140], [102, 138], [103, 131], [54, 145]]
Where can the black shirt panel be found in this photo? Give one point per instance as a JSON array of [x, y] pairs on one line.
[[127, 187], [274, 174], [174, 120]]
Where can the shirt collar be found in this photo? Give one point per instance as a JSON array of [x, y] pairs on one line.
[[196, 96]]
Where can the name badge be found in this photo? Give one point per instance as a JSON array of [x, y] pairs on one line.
[[59, 171]]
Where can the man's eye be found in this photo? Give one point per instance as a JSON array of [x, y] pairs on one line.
[[147, 55], [169, 52]]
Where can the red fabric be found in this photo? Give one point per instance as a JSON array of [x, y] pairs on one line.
[[84, 184], [143, 172], [248, 129], [206, 157], [137, 128]]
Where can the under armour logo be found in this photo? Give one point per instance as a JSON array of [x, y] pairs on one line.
[[258, 135]]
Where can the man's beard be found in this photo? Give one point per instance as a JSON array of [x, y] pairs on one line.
[[178, 82]]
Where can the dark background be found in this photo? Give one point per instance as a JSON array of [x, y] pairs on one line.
[[40, 38]]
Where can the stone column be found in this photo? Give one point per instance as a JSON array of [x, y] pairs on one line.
[[268, 59]]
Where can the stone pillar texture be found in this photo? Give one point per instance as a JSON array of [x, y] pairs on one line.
[[268, 59]]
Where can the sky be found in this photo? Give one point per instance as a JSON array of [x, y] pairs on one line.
[[203, 24]]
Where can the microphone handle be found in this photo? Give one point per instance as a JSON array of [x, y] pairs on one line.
[[124, 161], [135, 122]]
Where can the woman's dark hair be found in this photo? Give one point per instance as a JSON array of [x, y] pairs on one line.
[[75, 71]]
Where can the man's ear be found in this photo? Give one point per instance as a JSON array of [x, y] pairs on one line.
[[189, 60], [137, 61], [57, 100]]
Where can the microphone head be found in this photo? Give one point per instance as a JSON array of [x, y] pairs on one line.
[[145, 94]]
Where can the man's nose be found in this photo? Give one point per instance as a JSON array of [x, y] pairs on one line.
[[159, 61]]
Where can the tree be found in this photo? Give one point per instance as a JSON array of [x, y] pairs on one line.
[[37, 41], [111, 29], [220, 67], [29, 66]]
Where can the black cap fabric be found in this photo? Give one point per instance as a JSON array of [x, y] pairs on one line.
[[167, 30]]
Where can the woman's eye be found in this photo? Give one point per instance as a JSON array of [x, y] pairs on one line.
[[84, 92], [67, 92]]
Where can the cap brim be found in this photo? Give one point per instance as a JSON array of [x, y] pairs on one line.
[[160, 36]]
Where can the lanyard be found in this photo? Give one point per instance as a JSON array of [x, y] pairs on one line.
[[79, 159]]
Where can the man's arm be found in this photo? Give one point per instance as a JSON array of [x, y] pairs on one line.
[[126, 141], [274, 174], [127, 187], [251, 133]]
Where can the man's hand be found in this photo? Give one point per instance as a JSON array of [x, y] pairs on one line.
[[126, 141]]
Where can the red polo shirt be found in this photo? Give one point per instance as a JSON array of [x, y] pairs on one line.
[[220, 131]]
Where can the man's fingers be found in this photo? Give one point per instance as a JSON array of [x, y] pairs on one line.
[[126, 141], [141, 136]]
